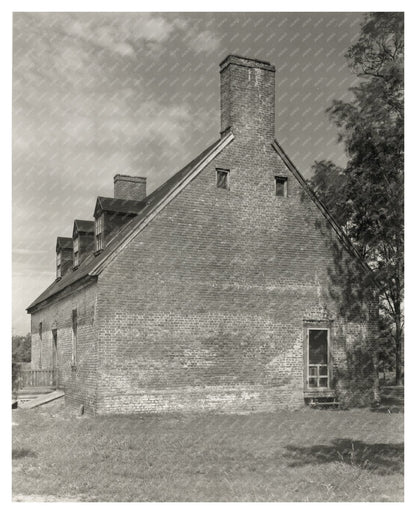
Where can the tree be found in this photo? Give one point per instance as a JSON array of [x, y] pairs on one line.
[[21, 348], [367, 196]]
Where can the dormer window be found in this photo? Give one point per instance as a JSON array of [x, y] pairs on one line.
[[58, 265], [64, 254], [99, 233], [76, 252]]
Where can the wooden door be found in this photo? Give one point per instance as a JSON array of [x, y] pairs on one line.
[[318, 358]]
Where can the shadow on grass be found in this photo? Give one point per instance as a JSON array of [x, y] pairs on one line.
[[382, 459], [22, 453]]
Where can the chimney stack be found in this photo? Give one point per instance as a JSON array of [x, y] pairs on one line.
[[247, 98], [129, 188]]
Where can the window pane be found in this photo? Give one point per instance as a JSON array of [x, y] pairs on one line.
[[99, 241], [313, 382], [323, 382], [318, 346], [99, 224], [313, 371], [222, 179]]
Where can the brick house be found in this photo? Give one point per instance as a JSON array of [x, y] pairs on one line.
[[227, 288]]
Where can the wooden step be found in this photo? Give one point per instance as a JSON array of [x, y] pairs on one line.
[[41, 399]]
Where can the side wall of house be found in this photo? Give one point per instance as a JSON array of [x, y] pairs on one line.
[[206, 307], [79, 380]]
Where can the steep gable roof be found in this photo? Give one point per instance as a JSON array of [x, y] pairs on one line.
[[153, 203]]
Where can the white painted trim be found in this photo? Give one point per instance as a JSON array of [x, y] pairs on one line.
[[158, 207]]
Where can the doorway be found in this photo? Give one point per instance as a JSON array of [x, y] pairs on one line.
[[318, 358]]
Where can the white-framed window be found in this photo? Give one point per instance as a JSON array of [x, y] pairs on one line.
[[74, 336], [58, 265], [281, 186], [76, 251], [223, 179], [318, 376], [99, 232]]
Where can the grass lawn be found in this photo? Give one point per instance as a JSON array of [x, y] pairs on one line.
[[307, 455]]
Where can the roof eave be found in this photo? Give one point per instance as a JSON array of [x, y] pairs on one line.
[[62, 293]]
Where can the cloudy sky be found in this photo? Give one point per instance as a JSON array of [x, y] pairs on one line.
[[95, 94]]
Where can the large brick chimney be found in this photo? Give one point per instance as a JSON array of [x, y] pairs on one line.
[[247, 98], [127, 187]]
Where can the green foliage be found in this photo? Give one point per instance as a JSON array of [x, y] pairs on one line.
[[367, 197], [386, 347], [15, 377], [21, 348]]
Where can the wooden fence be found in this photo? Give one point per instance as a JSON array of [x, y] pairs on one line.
[[36, 378]]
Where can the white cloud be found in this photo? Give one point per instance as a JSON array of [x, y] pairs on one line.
[[205, 41], [150, 121], [153, 28], [122, 32]]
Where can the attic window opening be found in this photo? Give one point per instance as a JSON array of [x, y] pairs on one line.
[[58, 265], [76, 252], [99, 236], [223, 179], [281, 186]]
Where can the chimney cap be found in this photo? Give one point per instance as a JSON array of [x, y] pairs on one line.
[[247, 62], [128, 178]]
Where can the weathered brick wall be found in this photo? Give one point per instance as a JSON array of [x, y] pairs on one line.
[[79, 384], [206, 307], [247, 98]]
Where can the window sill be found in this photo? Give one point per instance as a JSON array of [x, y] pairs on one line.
[[315, 392]]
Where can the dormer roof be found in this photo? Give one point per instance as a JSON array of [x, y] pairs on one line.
[[105, 204], [63, 243], [83, 227]]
